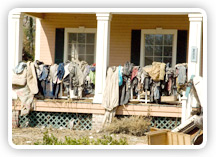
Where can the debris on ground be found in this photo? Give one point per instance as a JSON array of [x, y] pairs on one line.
[[133, 125], [23, 136]]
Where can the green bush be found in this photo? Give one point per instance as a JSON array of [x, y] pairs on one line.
[[105, 140]]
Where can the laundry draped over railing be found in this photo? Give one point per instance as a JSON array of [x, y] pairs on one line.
[[159, 79], [36, 79]]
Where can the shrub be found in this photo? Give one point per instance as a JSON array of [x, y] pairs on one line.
[[105, 140]]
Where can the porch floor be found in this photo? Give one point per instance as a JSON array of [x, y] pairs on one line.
[[87, 106]]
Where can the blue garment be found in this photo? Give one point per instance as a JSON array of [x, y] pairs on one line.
[[156, 93], [120, 76], [92, 69], [44, 73], [60, 71], [20, 67]]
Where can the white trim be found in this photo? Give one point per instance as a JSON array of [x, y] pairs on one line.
[[195, 41], [15, 37], [37, 39], [158, 31], [102, 55], [78, 30], [135, 11]]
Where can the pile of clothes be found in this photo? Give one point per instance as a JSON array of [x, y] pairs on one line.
[[159, 78], [36, 79]]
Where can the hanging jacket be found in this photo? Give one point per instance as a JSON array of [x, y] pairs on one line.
[[120, 76], [44, 73], [53, 73], [182, 76], [20, 79], [157, 71], [32, 78], [127, 69], [60, 71], [111, 91], [92, 77], [19, 68], [134, 72], [77, 76]]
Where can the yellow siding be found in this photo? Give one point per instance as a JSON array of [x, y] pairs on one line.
[[122, 25], [53, 21], [120, 34]]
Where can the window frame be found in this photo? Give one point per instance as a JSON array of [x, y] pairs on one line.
[[78, 30], [158, 31]]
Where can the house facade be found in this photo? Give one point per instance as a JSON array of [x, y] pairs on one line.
[[110, 37]]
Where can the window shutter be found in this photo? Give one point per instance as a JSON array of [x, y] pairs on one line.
[[59, 45], [181, 46], [135, 46]]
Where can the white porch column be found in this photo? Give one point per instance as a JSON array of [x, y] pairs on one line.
[[15, 38], [102, 54], [195, 38], [194, 55], [184, 108], [15, 33], [37, 39]]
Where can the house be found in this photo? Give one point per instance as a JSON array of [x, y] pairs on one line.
[[110, 37]]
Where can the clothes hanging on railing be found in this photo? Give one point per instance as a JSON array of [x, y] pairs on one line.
[[26, 88], [111, 94]]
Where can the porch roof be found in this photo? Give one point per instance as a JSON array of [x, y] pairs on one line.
[[38, 12]]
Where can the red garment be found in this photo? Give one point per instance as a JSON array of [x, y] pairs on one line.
[[134, 73], [169, 87]]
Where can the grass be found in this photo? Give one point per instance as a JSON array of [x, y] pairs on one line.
[[105, 140]]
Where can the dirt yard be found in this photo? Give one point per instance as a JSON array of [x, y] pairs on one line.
[[28, 136]]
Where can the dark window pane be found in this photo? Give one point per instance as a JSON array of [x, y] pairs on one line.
[[90, 37], [81, 57], [90, 59], [167, 59], [81, 48], [71, 50], [149, 39], [69, 57], [158, 59], [168, 39], [158, 51], [81, 37], [89, 49], [72, 37], [167, 50], [148, 60], [148, 50], [159, 39]]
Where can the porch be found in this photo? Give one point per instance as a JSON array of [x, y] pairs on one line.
[[112, 47], [113, 38], [60, 112]]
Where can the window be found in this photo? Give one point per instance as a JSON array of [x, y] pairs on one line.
[[158, 45], [80, 43]]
